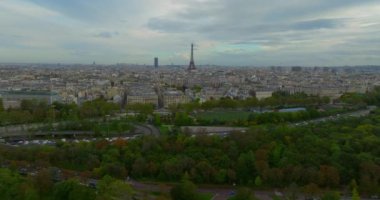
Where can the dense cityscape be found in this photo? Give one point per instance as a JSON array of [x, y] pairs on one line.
[[166, 85]]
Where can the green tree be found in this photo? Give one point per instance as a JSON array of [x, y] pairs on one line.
[[227, 103], [182, 119], [246, 167], [328, 176], [9, 185], [353, 98], [43, 182], [98, 108], [31, 194], [112, 189], [258, 181], [141, 108], [186, 190], [157, 120], [355, 194], [72, 190]]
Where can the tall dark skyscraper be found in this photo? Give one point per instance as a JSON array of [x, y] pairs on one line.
[[156, 62], [192, 64]]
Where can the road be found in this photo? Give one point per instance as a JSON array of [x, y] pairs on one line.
[[359, 113], [146, 129], [219, 193], [23, 130], [218, 130]]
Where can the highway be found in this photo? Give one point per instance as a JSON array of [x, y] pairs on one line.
[[356, 114], [24, 131]]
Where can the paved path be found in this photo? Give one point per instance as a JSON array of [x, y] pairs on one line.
[[219, 193]]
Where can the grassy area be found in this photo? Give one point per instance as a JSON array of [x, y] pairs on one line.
[[223, 115], [165, 129], [205, 196]]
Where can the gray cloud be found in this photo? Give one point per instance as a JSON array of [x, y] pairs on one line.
[[236, 32], [297, 28], [319, 24], [239, 31], [106, 34], [169, 25], [227, 19]]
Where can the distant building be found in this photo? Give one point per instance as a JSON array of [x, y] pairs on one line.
[[13, 98], [148, 98], [174, 98], [263, 94], [156, 62], [141, 95], [209, 93]]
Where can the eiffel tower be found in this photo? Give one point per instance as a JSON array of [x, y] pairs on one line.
[[192, 64]]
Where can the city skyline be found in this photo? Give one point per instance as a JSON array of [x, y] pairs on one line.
[[238, 33]]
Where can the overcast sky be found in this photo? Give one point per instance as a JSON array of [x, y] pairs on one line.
[[226, 32]]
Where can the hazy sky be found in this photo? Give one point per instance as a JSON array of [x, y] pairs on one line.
[[226, 32]]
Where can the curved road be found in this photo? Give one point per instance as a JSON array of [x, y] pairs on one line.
[[146, 129]]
